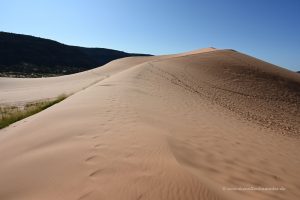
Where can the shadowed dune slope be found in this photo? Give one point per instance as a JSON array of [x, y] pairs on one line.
[[185, 126], [252, 88]]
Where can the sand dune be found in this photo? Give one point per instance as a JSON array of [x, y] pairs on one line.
[[22, 90], [184, 126]]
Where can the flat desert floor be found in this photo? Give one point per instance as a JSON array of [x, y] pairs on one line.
[[207, 124]]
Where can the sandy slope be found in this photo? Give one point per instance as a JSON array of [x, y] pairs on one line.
[[174, 127], [23, 90]]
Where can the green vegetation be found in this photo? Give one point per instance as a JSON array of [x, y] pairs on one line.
[[11, 114]]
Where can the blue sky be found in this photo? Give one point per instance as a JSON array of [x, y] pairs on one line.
[[266, 29]]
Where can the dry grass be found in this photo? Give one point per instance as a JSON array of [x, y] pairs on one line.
[[11, 114]]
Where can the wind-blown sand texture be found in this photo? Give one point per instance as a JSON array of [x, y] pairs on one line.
[[183, 126]]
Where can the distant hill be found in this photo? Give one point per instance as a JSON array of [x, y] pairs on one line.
[[24, 55]]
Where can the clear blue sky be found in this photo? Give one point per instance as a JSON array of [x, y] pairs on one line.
[[267, 29]]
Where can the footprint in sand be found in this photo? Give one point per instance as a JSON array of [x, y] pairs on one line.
[[91, 158]]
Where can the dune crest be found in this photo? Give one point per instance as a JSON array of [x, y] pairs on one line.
[[203, 50], [184, 126]]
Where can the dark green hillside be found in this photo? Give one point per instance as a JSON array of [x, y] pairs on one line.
[[33, 56]]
